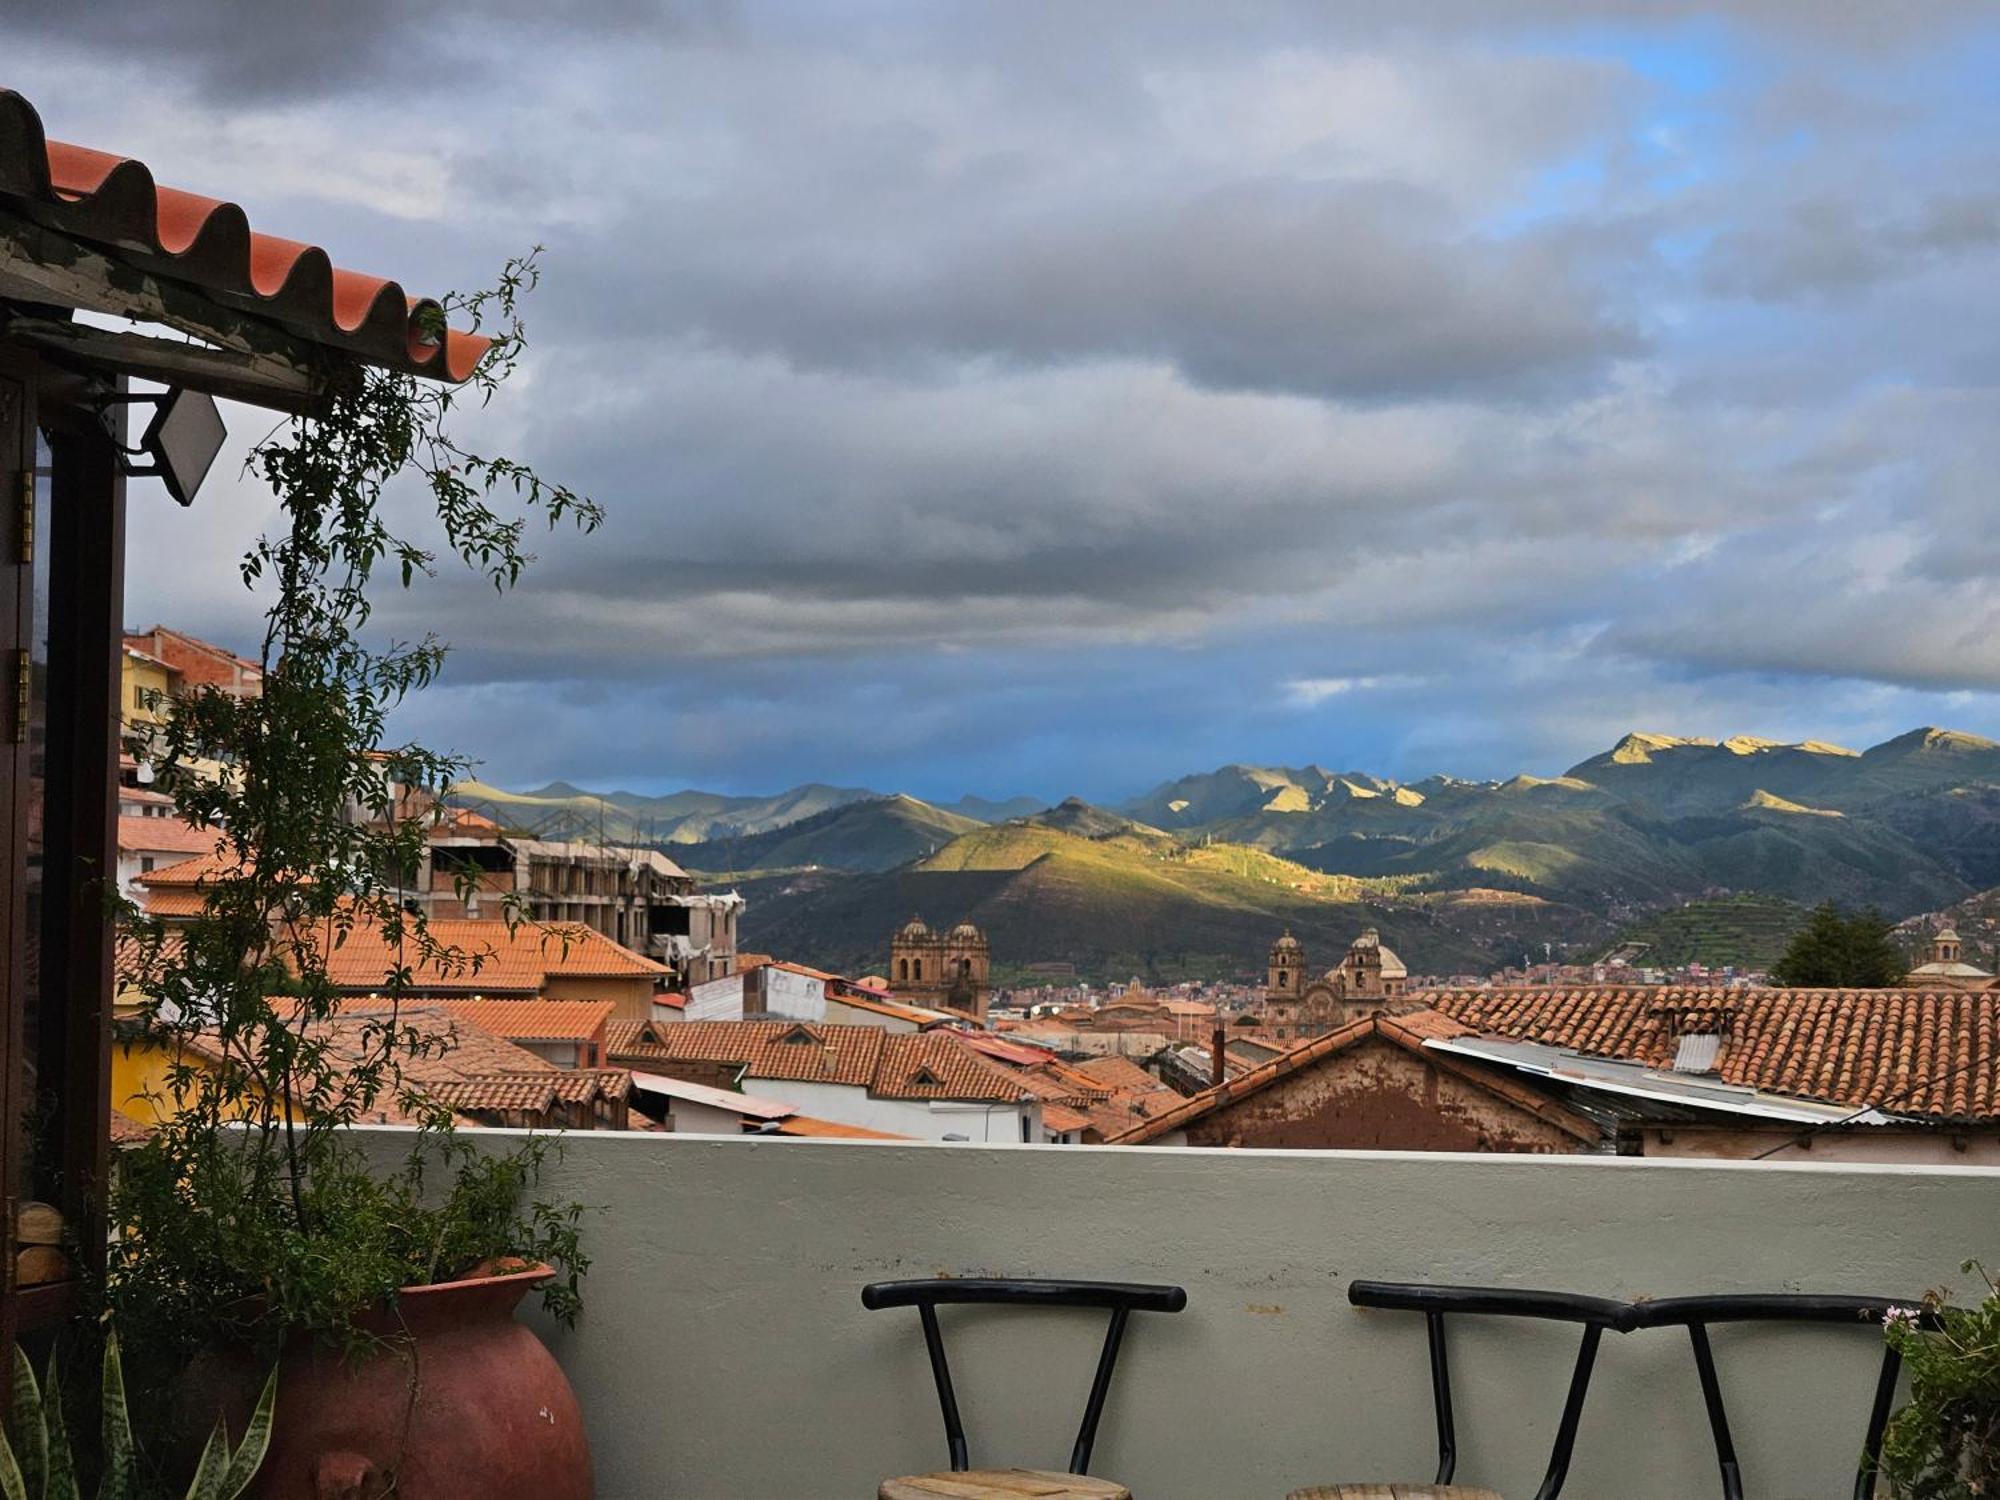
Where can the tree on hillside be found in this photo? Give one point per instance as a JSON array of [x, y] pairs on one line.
[[1837, 950]]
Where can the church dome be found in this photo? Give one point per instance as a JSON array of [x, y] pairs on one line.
[[1286, 944], [965, 932], [914, 928]]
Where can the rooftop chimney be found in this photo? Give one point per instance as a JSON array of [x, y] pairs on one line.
[[1218, 1068]]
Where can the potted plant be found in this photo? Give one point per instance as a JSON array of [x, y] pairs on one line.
[[1944, 1444], [251, 1224], [45, 1466]]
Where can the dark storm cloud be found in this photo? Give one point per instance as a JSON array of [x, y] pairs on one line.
[[1364, 292], [261, 50], [1013, 390]]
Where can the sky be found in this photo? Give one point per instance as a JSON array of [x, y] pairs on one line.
[[1042, 397]]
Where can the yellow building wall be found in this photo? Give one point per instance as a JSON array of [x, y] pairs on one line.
[[633, 997], [142, 1079], [142, 692]]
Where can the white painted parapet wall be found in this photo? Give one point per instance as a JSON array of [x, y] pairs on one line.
[[724, 1351]]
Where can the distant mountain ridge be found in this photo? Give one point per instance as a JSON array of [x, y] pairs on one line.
[[879, 833], [560, 810], [1912, 824]]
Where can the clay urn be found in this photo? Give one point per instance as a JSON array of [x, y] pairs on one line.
[[460, 1401]]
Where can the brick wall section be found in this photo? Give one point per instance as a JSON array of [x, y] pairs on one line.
[[1375, 1095]]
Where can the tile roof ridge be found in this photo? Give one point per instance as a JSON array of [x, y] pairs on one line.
[[104, 199]]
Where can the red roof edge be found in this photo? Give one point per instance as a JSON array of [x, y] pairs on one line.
[[114, 201]]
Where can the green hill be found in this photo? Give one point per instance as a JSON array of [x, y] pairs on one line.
[[1908, 825], [1748, 932], [879, 834], [1127, 904], [1191, 876]]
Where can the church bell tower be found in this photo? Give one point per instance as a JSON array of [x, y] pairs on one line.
[[1286, 979]]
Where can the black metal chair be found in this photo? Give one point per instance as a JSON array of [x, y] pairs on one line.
[[1436, 1303], [1696, 1313], [961, 1480]]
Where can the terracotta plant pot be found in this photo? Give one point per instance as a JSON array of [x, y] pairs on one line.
[[466, 1404]]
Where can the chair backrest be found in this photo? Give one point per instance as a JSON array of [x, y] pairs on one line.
[[1597, 1314], [1120, 1298], [1696, 1313], [1436, 1303]]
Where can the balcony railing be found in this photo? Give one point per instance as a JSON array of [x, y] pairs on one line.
[[724, 1350]]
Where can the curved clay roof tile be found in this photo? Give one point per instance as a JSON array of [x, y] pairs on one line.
[[113, 202]]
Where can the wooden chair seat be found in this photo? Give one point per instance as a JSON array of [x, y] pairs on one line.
[[1001, 1484], [1392, 1492]]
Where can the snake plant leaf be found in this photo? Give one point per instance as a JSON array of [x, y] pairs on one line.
[[12, 1485], [61, 1484], [207, 1481], [116, 1483], [31, 1429], [249, 1457]]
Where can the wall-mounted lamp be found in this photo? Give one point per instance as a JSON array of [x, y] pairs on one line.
[[182, 440]]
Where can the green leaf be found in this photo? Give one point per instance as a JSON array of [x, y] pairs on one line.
[[61, 1483], [116, 1483], [207, 1481], [30, 1426], [12, 1485], [249, 1457]]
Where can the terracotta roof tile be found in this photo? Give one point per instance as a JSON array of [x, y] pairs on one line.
[[489, 956], [528, 1020], [586, 1085], [631, 1039], [792, 1050], [833, 1130], [1119, 1074], [921, 1065], [113, 203], [534, 1095], [175, 901], [167, 835], [190, 873], [1907, 1052], [129, 955], [472, 1054], [931, 1065], [1063, 1120]]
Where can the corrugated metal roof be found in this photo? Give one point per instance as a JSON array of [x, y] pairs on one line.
[[113, 203], [714, 1098]]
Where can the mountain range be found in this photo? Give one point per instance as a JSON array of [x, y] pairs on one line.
[[562, 811], [1198, 874]]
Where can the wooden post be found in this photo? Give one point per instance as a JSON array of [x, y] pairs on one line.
[[73, 1042]]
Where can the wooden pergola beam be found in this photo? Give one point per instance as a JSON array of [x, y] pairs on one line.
[[248, 358], [195, 367]]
